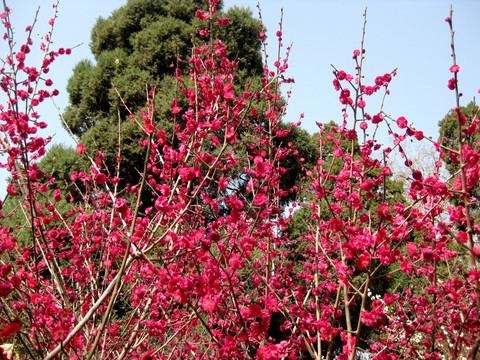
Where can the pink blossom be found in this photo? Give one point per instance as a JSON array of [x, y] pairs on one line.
[[341, 75], [80, 149], [20, 56], [12, 190], [454, 68], [100, 179], [57, 195], [149, 128], [10, 330], [452, 84], [476, 251], [402, 122], [5, 289], [59, 333], [260, 199]]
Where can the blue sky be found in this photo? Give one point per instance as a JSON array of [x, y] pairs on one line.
[[409, 35]]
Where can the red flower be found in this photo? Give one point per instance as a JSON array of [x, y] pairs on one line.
[[402, 122], [378, 118], [209, 304], [335, 224], [80, 149], [418, 135], [228, 92], [202, 15], [236, 261], [476, 251], [100, 179], [222, 22], [454, 68], [452, 84], [363, 261], [375, 318], [59, 333], [149, 128], [20, 56], [341, 75], [11, 329], [149, 355], [260, 199], [12, 190], [5, 289], [57, 195]]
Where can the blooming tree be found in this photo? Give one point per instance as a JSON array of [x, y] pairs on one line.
[[208, 271]]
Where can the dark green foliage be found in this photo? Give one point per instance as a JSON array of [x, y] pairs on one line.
[[242, 42], [137, 15], [157, 45]]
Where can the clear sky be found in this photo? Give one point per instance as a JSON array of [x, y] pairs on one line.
[[410, 35]]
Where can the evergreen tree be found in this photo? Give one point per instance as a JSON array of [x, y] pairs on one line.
[[140, 46]]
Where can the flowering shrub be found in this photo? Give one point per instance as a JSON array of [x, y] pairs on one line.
[[209, 270]]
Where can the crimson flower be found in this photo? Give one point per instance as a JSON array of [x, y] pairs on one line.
[[57, 195], [80, 149], [59, 333], [20, 56], [12, 190], [402, 122], [260, 199], [149, 128], [100, 179], [454, 68], [5, 289], [452, 84], [11, 329], [341, 75]]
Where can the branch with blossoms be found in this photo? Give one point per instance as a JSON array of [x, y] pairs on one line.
[[107, 253], [356, 238]]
